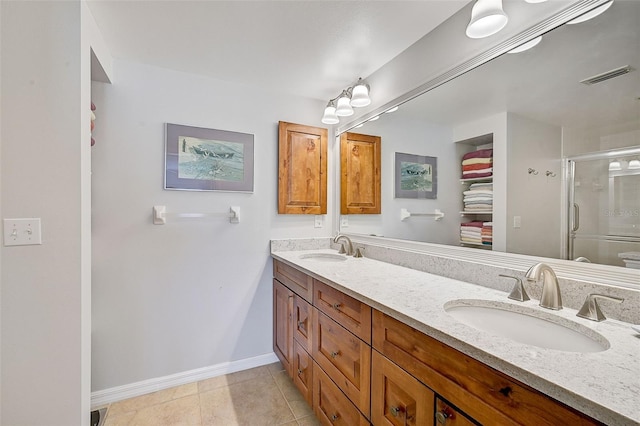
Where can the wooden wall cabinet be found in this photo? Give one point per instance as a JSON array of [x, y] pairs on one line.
[[359, 174], [302, 169]]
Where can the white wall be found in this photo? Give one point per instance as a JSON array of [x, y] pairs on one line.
[[185, 295], [535, 198], [44, 150], [411, 136]]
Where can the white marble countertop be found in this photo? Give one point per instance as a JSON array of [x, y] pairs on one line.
[[604, 385]]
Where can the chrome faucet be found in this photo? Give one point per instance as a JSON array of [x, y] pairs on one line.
[[550, 298], [349, 250]]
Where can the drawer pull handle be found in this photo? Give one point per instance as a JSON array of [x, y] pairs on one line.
[[335, 417], [396, 411], [300, 371], [441, 417], [335, 354], [337, 306]]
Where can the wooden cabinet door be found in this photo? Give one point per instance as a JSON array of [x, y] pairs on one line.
[[282, 325], [303, 372], [302, 323], [397, 398], [302, 169], [359, 174]]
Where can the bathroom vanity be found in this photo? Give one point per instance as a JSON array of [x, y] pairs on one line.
[[367, 342]]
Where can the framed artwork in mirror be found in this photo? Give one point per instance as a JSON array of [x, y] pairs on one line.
[[200, 159], [416, 176]]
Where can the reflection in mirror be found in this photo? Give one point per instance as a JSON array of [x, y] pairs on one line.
[[565, 140]]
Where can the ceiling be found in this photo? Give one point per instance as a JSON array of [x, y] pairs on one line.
[[307, 48]]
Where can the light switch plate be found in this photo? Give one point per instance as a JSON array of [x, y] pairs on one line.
[[318, 221], [517, 221], [344, 221], [22, 232]]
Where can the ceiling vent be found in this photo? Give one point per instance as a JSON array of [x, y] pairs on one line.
[[607, 75]]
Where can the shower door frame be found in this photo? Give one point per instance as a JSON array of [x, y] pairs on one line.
[[571, 211]]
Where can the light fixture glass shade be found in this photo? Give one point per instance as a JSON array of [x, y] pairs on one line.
[[591, 14], [360, 95], [330, 116], [394, 109], [487, 18], [634, 164], [343, 108], [526, 46], [374, 118], [535, 1], [615, 166]]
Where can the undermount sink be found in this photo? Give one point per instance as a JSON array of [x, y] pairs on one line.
[[324, 257], [527, 325]]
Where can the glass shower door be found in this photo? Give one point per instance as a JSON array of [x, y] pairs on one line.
[[604, 209]]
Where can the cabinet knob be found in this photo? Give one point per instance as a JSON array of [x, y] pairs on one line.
[[335, 354], [441, 417], [300, 371], [301, 324], [335, 417], [396, 411], [337, 306]]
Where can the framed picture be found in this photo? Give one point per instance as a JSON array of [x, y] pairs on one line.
[[416, 176], [200, 159]]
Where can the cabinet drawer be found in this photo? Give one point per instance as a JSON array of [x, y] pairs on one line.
[[299, 282], [303, 372], [397, 398], [354, 315], [302, 324], [330, 405], [345, 358], [446, 415], [483, 393]]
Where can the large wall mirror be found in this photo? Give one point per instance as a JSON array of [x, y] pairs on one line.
[[566, 151]]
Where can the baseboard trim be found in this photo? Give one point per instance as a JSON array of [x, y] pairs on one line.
[[118, 393]]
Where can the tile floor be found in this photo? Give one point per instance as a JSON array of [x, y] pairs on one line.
[[259, 396]]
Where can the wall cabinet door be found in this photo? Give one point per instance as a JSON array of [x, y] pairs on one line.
[[283, 325], [398, 399], [302, 169], [359, 174]]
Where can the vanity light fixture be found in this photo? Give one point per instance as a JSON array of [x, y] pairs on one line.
[[535, 1], [487, 18], [591, 14], [634, 164], [330, 116], [394, 109], [526, 46], [344, 109], [615, 166], [374, 118], [342, 105], [360, 94]]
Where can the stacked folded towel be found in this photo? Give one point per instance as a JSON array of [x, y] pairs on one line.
[[471, 232], [479, 197], [487, 233], [477, 164]]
